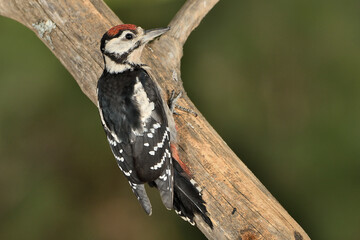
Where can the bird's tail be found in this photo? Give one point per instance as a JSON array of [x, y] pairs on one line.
[[187, 197]]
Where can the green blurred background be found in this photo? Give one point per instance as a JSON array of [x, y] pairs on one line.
[[280, 82]]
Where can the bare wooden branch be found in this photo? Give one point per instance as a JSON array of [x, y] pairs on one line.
[[189, 17], [239, 205]]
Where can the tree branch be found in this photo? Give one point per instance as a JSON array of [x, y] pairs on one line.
[[189, 17], [239, 205]]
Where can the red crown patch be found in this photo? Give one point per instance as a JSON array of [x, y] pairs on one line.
[[115, 30]]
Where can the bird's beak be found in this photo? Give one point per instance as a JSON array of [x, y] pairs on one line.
[[153, 33]]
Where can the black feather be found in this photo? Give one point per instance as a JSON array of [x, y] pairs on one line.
[[187, 199], [142, 148]]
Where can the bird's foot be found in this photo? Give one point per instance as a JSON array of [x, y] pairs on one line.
[[172, 104]]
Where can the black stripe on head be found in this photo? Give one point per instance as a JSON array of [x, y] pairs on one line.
[[122, 58]]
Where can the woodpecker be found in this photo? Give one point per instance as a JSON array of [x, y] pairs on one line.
[[140, 127]]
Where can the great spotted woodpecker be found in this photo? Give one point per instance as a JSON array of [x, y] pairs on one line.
[[140, 127]]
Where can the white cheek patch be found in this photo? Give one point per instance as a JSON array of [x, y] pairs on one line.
[[118, 46]]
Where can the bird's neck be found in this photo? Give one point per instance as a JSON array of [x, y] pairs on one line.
[[117, 63], [116, 67]]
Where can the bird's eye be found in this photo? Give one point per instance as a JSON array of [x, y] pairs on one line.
[[129, 36]]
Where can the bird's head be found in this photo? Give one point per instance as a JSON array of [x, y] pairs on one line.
[[122, 46]]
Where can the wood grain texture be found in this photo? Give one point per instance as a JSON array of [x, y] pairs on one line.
[[239, 205]]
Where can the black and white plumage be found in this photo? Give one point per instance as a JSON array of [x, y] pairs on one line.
[[139, 126]]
